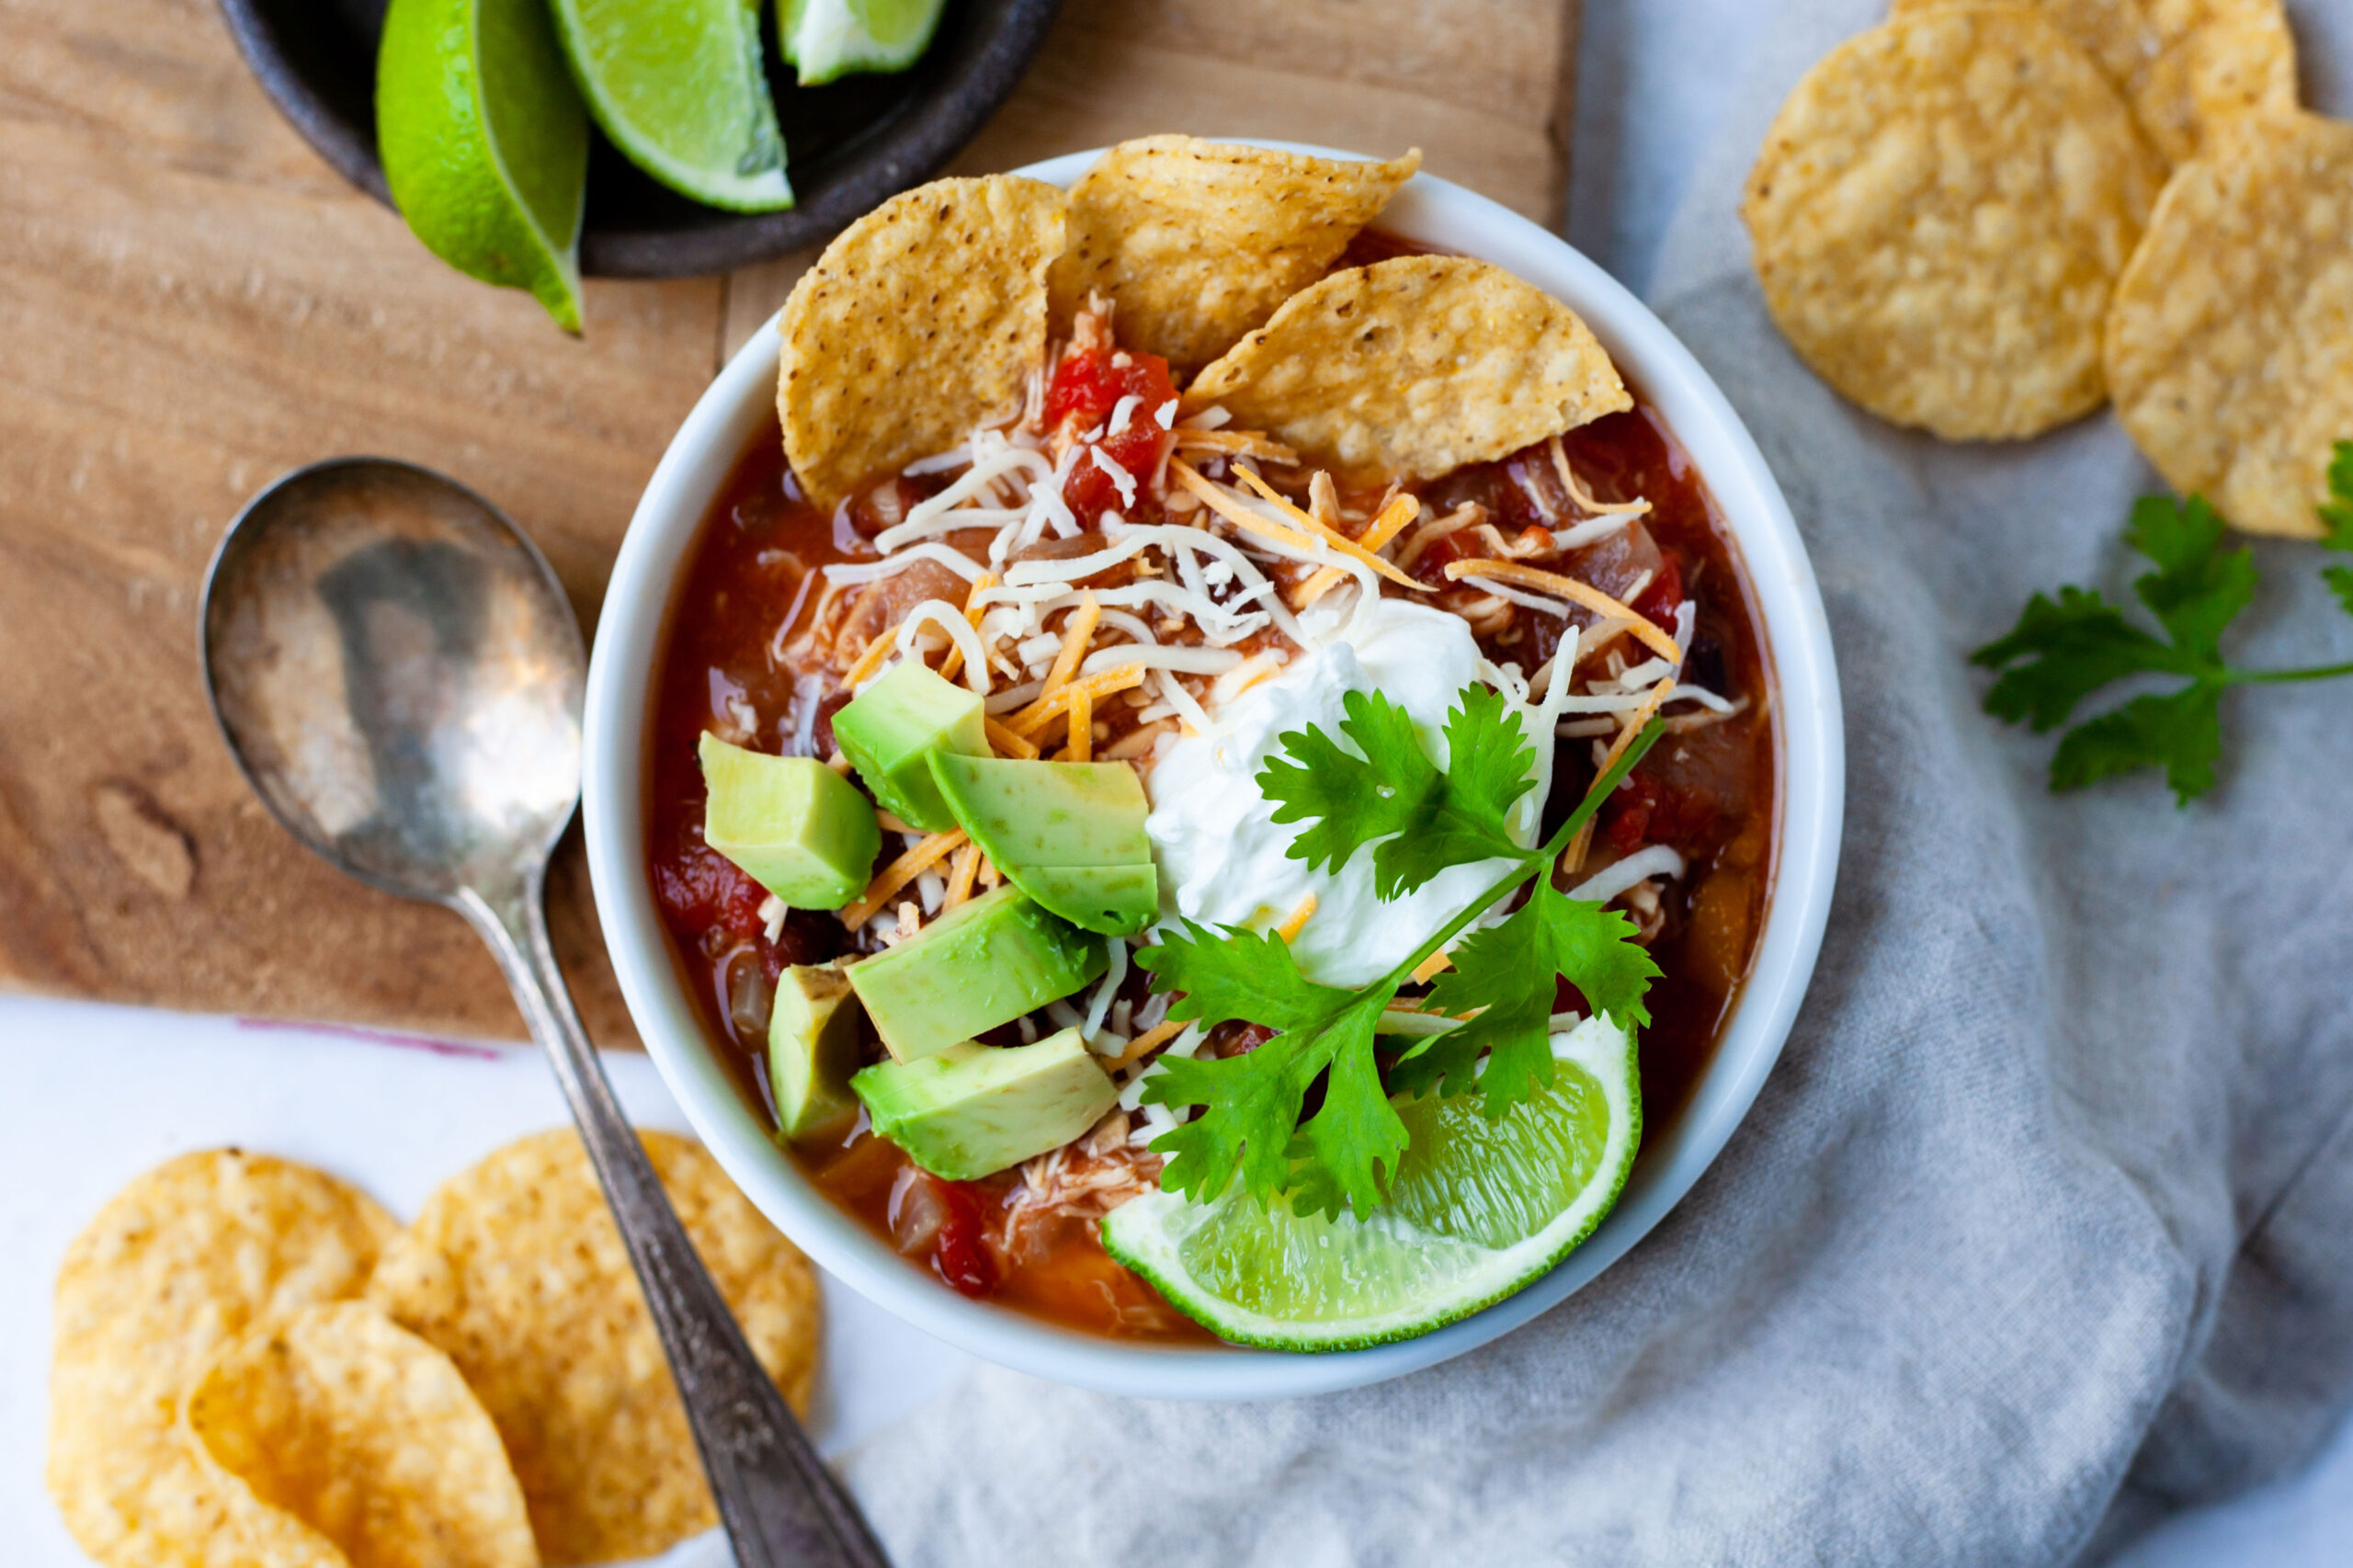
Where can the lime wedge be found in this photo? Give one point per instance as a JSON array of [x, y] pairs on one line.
[[825, 39], [1477, 1210], [678, 86], [484, 142]]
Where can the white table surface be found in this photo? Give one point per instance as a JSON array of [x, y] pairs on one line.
[[91, 1096]]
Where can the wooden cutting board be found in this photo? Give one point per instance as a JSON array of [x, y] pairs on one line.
[[190, 302]]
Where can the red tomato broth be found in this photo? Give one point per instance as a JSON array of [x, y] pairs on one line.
[[1710, 794]]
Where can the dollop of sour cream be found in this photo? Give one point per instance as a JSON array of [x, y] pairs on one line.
[[1222, 857]]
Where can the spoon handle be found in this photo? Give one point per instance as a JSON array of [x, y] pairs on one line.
[[779, 1503]]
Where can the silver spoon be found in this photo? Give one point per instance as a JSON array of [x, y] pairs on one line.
[[399, 674]]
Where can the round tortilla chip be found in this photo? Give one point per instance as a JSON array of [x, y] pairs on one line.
[[2215, 62], [2117, 34], [1415, 366], [2231, 346], [1940, 214], [1196, 243], [176, 1265], [338, 1438], [921, 320], [516, 1270]]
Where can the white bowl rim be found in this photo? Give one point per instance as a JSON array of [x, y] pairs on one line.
[[1810, 797]]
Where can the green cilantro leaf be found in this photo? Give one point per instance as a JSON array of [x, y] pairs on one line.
[[1248, 1125], [1508, 974], [2199, 587], [2073, 647], [1352, 799], [1419, 821], [2182, 732], [2063, 651], [2336, 512], [2337, 517], [1237, 974], [1250, 1105]]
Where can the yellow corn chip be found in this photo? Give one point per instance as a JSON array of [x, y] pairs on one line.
[[338, 1438], [2230, 347], [1415, 366], [1940, 214], [177, 1265], [516, 1270], [921, 320], [2216, 61], [1196, 243], [2117, 34]]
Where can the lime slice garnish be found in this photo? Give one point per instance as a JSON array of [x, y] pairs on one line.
[[1477, 1210], [678, 86], [825, 39], [484, 142]]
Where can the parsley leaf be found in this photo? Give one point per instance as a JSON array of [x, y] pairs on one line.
[[1420, 821], [2063, 651]]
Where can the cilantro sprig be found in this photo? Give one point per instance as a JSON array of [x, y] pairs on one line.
[[1382, 791], [2063, 651]]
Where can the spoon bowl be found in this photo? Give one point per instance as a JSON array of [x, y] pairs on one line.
[[399, 674]]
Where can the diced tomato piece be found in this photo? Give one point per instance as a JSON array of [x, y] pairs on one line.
[[1084, 394], [1665, 592], [960, 1253], [1627, 818], [700, 889]]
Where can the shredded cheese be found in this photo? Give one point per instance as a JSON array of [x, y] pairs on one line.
[[1296, 921], [961, 634], [1432, 968], [959, 875], [1235, 443], [1572, 857], [1585, 594], [899, 872], [1019, 747], [1077, 633], [1082, 728], [973, 611], [1152, 1040], [1585, 501], [871, 660], [1330, 535], [1243, 517], [1467, 515], [1032, 721]]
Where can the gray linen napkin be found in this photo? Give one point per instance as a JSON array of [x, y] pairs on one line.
[[2042, 1227]]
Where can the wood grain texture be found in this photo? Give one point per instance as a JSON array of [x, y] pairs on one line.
[[190, 302]]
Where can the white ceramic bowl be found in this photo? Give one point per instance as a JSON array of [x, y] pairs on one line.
[[1810, 798]]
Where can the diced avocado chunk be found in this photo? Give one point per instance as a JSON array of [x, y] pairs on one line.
[[812, 1051], [972, 1109], [797, 827], [1068, 834], [981, 964], [891, 731]]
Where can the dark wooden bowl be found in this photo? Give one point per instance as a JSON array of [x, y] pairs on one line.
[[851, 143]]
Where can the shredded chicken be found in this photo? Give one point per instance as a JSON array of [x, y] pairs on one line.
[[1084, 1179]]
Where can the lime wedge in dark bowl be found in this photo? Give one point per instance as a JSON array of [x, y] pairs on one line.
[[851, 143]]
